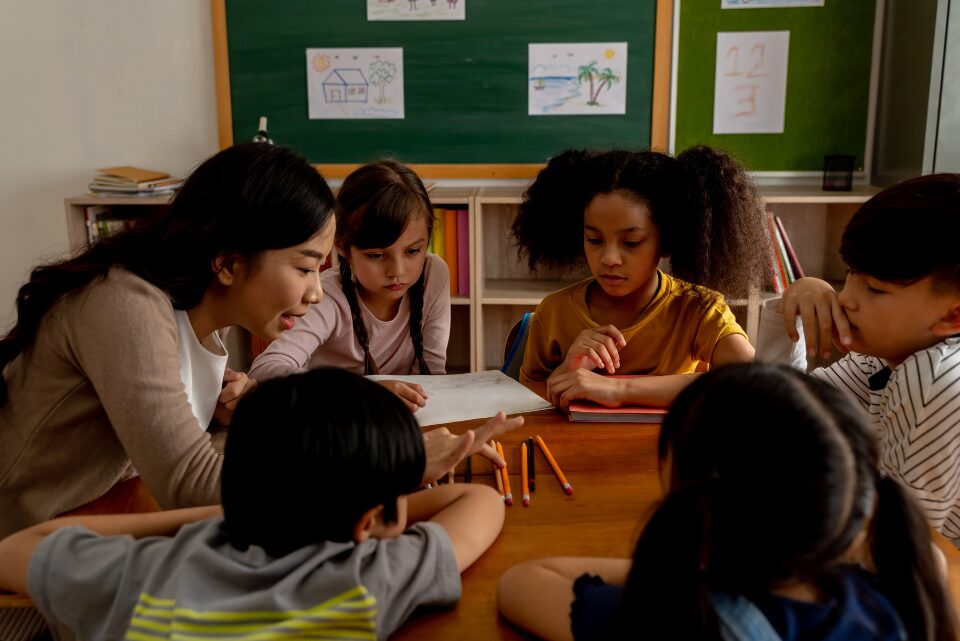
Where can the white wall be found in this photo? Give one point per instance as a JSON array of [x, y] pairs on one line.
[[92, 84]]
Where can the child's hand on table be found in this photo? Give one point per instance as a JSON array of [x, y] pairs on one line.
[[235, 385], [566, 386], [596, 349], [445, 450], [412, 395], [824, 319]]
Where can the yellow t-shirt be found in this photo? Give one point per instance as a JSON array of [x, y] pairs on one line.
[[679, 328]]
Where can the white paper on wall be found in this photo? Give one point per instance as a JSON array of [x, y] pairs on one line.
[[355, 83], [416, 9], [583, 78], [750, 91]]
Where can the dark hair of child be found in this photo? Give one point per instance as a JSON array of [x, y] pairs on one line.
[[376, 202], [708, 212], [307, 455], [244, 200], [778, 493], [907, 232]]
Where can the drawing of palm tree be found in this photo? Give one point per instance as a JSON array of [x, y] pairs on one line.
[[588, 73], [605, 80]]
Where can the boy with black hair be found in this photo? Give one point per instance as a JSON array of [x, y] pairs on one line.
[[313, 541], [898, 316]]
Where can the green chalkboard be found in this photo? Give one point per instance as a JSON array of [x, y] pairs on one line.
[[465, 81], [828, 81]]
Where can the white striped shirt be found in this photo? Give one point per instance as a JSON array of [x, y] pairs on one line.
[[916, 415]]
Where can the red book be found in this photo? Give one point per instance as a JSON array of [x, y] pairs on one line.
[[463, 252], [788, 246], [450, 248]]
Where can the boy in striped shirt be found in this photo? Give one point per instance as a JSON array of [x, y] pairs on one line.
[[898, 321]]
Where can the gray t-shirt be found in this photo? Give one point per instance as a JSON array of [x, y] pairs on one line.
[[197, 584]]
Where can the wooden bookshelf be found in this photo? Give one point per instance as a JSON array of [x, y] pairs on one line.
[[502, 288]]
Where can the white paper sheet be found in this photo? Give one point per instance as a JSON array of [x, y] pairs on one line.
[[355, 83], [750, 94], [768, 4], [461, 397], [577, 78], [416, 9]]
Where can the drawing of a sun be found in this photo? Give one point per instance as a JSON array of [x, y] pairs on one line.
[[321, 62], [609, 53]]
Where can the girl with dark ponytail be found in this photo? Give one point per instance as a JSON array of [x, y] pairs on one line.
[[621, 212], [759, 534], [115, 364], [387, 308]]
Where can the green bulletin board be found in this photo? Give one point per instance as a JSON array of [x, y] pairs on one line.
[[465, 81], [828, 81]]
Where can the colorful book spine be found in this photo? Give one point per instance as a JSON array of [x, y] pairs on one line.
[[463, 252], [791, 254], [451, 248], [782, 252], [438, 244], [779, 272]]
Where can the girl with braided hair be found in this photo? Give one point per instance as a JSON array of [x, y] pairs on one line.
[[387, 309]]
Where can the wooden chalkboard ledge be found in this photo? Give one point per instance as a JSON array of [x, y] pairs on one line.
[[427, 171]]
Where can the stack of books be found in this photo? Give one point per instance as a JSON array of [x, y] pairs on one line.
[[784, 267], [133, 180]]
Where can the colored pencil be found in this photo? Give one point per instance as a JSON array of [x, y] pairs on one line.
[[567, 488], [530, 466], [468, 471], [524, 480], [507, 494], [450, 474]]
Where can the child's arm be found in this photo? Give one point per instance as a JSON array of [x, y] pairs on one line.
[[235, 386], [472, 515], [822, 317], [17, 549], [537, 595], [654, 391], [734, 348]]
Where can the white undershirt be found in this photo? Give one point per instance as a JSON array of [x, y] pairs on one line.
[[201, 369]]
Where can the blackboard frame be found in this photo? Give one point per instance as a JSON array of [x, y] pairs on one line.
[[659, 107]]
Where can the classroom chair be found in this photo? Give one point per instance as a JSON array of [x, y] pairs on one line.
[[19, 620], [514, 347]]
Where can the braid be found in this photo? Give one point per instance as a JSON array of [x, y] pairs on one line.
[[416, 320], [359, 329]]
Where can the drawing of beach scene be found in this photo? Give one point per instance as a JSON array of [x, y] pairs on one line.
[[355, 83], [577, 78], [416, 9]]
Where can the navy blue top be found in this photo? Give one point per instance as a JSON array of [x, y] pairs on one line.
[[857, 611]]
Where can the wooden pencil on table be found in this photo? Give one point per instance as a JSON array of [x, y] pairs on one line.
[[567, 488], [507, 494], [524, 486]]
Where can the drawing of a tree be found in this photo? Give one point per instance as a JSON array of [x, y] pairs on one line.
[[599, 80], [382, 73]]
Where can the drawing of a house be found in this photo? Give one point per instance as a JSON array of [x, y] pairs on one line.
[[345, 85]]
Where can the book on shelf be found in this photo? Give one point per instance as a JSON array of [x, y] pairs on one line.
[[583, 411], [463, 252], [450, 247], [133, 180], [788, 247], [103, 223], [779, 272]]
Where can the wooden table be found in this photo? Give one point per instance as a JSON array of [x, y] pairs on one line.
[[614, 472]]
